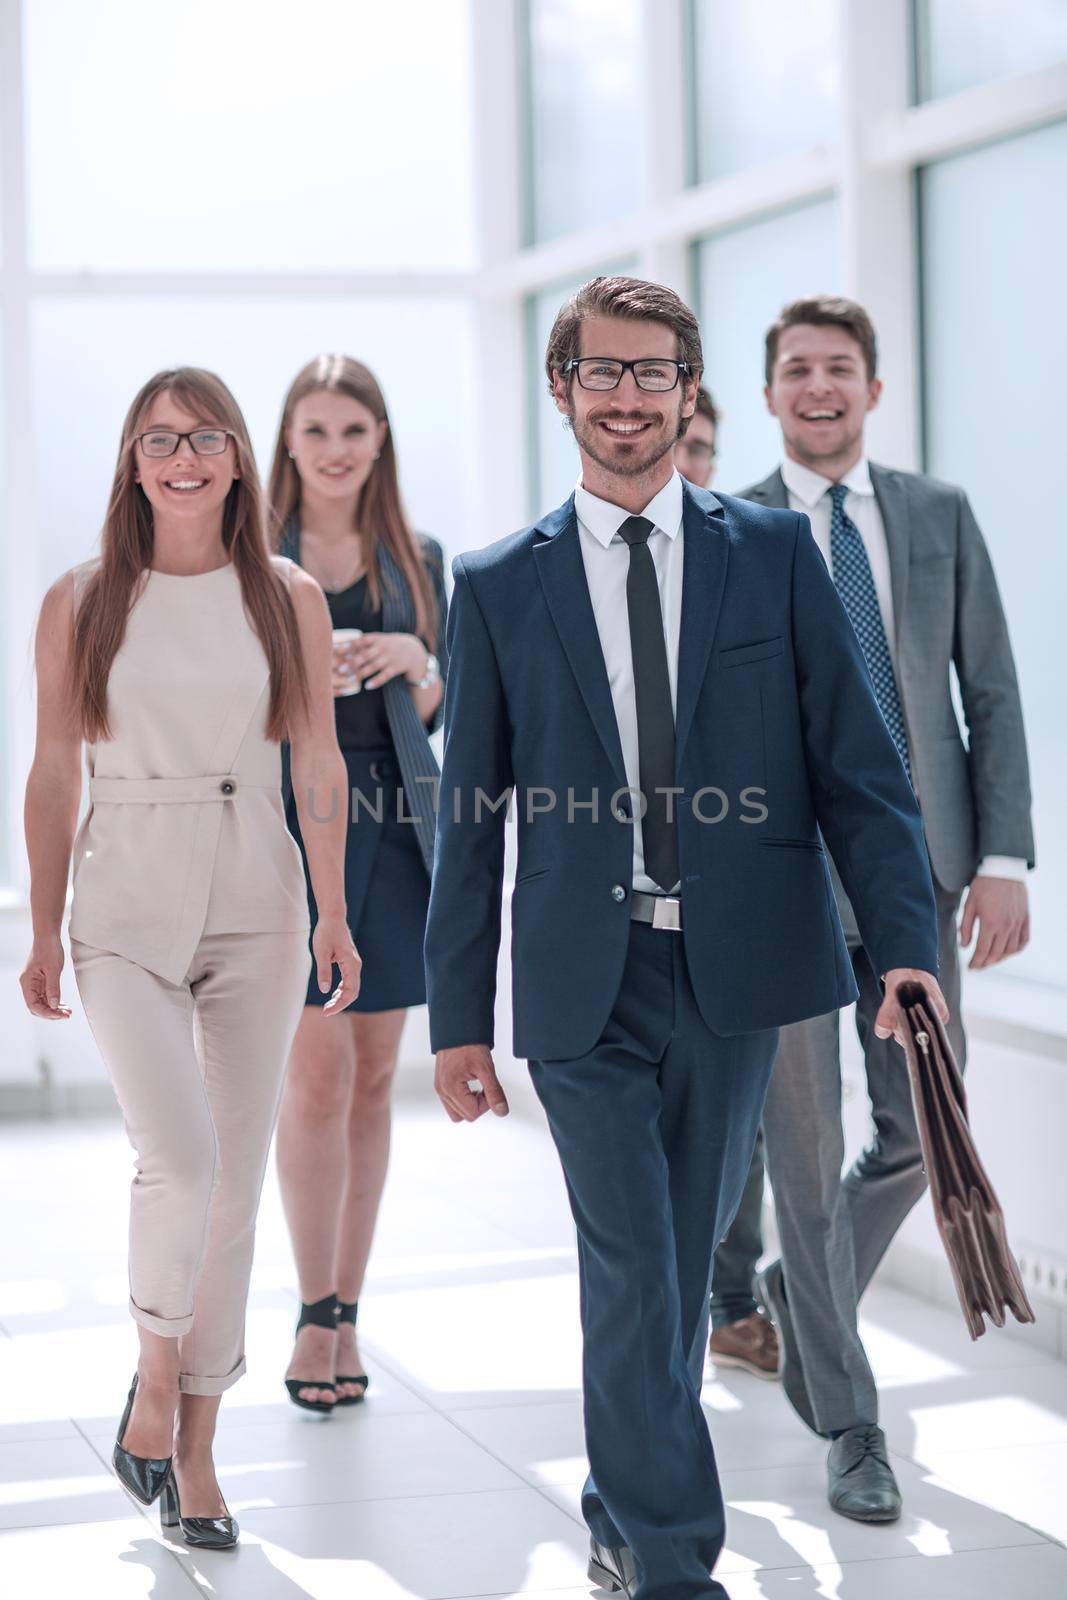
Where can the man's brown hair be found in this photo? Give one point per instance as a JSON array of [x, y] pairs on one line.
[[632, 298], [825, 311], [706, 407]]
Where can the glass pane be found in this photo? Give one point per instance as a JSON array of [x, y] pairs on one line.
[[994, 358], [5, 768], [745, 278], [554, 462], [961, 43], [584, 113], [91, 356], [763, 81], [237, 137]]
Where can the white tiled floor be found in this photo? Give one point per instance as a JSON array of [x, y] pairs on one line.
[[460, 1476]]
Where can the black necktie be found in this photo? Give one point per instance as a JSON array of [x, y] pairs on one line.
[[655, 714]]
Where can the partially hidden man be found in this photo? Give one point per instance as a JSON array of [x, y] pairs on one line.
[[690, 649]]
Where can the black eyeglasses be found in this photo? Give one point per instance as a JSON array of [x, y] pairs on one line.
[[164, 441], [653, 375]]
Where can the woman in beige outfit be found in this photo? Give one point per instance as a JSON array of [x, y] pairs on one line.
[[180, 658]]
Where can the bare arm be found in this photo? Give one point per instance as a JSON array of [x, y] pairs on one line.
[[53, 794], [320, 787], [427, 700]]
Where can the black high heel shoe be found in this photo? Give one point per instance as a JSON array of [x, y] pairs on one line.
[[206, 1533], [319, 1314], [347, 1311], [143, 1476]]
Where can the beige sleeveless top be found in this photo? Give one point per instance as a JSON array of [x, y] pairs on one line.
[[185, 833]]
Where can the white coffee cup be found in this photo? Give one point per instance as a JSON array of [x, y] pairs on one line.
[[345, 636]]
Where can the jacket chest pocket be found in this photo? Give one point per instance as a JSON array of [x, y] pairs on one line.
[[746, 655]]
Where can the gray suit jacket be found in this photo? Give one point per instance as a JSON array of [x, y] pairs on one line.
[[974, 797]]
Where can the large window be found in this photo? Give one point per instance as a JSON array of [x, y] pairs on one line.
[[744, 278], [90, 358], [5, 701], [763, 80], [584, 113], [995, 356], [962, 43], [236, 186], [249, 135]]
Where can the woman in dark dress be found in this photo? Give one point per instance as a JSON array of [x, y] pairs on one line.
[[336, 500]]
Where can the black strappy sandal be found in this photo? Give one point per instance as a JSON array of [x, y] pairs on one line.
[[347, 1311], [320, 1314]]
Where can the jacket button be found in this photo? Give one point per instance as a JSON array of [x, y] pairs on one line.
[[618, 892], [227, 786]]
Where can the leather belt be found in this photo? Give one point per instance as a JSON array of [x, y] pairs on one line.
[[661, 910], [165, 791]]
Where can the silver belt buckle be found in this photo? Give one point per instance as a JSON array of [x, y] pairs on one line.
[[667, 912]]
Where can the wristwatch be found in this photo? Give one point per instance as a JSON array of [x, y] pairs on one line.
[[431, 675]]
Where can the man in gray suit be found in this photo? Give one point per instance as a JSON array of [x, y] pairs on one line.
[[909, 561]]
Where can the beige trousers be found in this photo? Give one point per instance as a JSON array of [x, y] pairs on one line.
[[198, 1069]]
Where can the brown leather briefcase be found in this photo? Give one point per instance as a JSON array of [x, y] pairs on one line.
[[967, 1212]]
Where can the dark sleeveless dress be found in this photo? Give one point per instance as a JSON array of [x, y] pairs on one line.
[[387, 888]]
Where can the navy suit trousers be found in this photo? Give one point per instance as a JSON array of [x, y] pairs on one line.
[[655, 1128]]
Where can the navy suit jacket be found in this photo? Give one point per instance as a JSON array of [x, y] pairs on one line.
[[773, 695]]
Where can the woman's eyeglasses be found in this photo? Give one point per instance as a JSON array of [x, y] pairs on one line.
[[164, 442]]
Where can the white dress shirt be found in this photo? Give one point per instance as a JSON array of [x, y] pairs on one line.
[[606, 556], [809, 492]]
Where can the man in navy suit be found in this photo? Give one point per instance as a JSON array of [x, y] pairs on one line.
[[668, 689]]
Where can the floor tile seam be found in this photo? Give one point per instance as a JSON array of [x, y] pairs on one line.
[[174, 1556], [504, 1405], [106, 1461], [972, 1450], [95, 1442], [1048, 1538], [518, 1594], [258, 1510], [925, 1467], [77, 1522], [493, 1456], [425, 1394], [240, 1427], [885, 1560], [383, 1499], [543, 1491]]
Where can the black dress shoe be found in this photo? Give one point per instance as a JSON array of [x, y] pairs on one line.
[[203, 1533], [143, 1476], [612, 1569], [862, 1485], [770, 1286]]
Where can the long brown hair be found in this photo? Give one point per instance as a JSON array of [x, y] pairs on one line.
[[127, 544], [379, 511]]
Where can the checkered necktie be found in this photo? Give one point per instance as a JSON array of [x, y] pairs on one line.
[[855, 584]]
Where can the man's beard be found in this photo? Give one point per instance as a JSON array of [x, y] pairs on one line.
[[626, 466]]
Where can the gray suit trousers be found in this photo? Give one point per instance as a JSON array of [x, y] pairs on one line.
[[834, 1231]]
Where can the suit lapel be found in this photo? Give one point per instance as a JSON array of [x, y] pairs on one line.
[[703, 581], [558, 559], [891, 495]]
